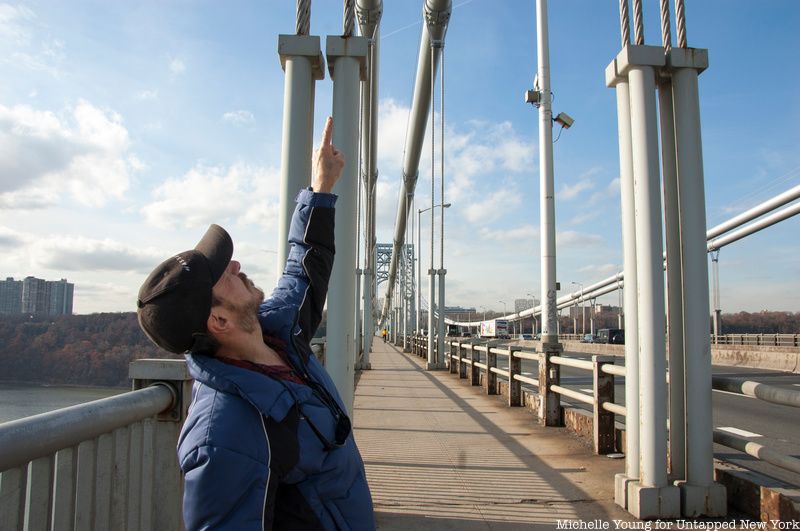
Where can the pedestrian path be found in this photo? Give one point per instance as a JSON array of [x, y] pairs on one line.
[[439, 454]]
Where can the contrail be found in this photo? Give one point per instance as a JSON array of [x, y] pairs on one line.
[[417, 23]]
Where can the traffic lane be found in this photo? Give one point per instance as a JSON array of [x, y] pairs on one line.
[[772, 425]]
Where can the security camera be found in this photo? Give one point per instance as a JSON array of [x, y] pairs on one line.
[[533, 96], [564, 119]]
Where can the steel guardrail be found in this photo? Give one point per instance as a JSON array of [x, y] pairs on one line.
[[30, 438]]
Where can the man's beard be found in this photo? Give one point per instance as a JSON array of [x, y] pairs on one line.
[[246, 311]]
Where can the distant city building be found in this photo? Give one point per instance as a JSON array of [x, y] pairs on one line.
[[61, 294], [604, 308], [524, 304], [36, 296], [10, 296]]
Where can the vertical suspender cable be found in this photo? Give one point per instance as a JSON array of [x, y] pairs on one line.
[[358, 272], [303, 17], [349, 18], [431, 276], [680, 21], [442, 272], [638, 23], [441, 172], [666, 33], [624, 23]]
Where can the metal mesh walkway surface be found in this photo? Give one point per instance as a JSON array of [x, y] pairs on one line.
[[441, 455]]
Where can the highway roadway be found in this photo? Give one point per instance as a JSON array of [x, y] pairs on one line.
[[774, 426]]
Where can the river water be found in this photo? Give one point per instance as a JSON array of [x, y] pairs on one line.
[[23, 400]]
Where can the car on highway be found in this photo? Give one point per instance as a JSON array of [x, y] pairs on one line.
[[525, 337], [614, 336], [588, 338]]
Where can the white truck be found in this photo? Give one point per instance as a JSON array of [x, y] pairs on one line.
[[496, 328]]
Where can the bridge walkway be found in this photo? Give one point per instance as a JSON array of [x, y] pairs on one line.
[[440, 454]]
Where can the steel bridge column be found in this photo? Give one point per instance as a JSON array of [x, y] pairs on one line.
[[303, 63], [440, 364], [700, 495], [651, 496], [369, 14], [346, 59], [403, 301], [677, 407], [431, 322], [631, 313]]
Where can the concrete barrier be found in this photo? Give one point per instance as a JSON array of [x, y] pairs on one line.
[[758, 357]]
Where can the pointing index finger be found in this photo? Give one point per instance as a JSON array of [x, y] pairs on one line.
[[327, 134]]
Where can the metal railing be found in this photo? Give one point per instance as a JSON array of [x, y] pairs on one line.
[[107, 464], [465, 360], [754, 340]]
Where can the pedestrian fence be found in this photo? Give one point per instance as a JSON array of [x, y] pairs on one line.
[[107, 464], [765, 340], [478, 363]]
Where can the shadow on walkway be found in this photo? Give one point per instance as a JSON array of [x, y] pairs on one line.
[[441, 455]]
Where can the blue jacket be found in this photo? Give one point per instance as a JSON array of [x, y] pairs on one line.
[[259, 453]]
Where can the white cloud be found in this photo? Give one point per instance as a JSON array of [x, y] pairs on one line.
[[239, 117], [568, 192], [609, 192], [177, 67], [14, 21], [392, 123], [210, 194], [81, 254], [600, 269], [43, 156], [479, 148], [386, 197], [570, 238], [522, 233], [493, 206], [146, 95], [21, 44], [10, 239]]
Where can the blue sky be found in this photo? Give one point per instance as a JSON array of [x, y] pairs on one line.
[[127, 127]]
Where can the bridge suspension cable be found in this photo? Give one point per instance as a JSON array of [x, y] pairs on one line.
[[303, 17]]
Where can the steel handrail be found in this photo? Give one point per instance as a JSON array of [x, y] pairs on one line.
[[759, 451], [30, 438], [572, 394], [761, 391], [572, 362]]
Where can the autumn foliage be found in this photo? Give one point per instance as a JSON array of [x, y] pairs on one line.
[[73, 349]]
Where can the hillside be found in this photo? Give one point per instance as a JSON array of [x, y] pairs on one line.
[[73, 349]]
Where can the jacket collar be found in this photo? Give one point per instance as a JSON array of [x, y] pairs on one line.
[[271, 397]]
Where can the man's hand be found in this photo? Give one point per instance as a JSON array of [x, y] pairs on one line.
[[328, 162]]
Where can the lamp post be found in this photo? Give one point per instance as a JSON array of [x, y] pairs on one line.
[[583, 309], [534, 321]]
